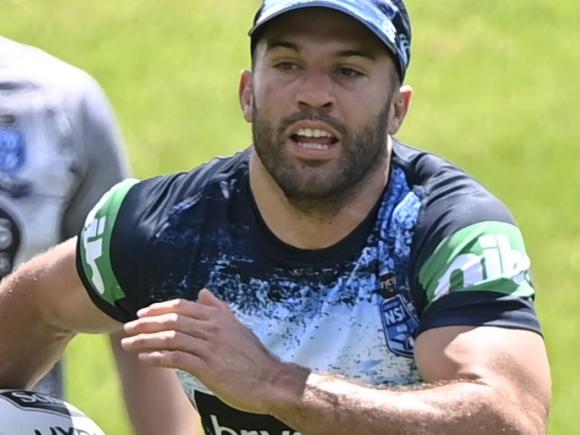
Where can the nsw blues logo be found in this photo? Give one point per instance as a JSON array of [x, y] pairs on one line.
[[399, 326], [12, 150]]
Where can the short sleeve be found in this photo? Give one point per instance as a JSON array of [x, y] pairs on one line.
[[468, 263], [479, 275], [95, 264]]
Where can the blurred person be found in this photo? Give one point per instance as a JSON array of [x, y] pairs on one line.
[[60, 150], [327, 280]]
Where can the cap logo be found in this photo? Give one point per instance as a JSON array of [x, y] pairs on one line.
[[387, 8], [389, 30]]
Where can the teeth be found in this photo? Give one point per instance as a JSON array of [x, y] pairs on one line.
[[314, 146], [313, 132]]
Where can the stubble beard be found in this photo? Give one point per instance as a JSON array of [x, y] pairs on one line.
[[306, 186]]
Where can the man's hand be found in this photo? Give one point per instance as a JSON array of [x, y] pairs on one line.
[[206, 339]]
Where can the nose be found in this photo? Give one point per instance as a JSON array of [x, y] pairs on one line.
[[315, 91]]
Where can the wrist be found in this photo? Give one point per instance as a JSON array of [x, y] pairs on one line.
[[286, 389]]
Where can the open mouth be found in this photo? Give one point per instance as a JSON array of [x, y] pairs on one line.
[[314, 139]]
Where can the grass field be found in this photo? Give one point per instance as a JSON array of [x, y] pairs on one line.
[[497, 91]]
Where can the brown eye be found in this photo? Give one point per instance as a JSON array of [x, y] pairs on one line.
[[287, 66], [349, 72]]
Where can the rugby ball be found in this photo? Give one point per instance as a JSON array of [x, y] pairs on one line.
[[30, 413]]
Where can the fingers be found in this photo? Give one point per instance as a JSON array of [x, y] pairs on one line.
[[178, 333], [175, 325], [176, 306], [162, 341], [200, 309], [165, 322]]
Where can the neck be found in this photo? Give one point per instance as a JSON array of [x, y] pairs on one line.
[[315, 225]]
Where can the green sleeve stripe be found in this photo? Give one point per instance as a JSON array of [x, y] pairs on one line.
[[95, 243], [487, 256]]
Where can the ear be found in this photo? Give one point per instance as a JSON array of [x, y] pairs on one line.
[[246, 95], [399, 108]]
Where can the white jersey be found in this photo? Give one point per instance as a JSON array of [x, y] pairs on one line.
[[60, 149]]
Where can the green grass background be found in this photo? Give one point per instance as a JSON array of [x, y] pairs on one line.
[[497, 91]]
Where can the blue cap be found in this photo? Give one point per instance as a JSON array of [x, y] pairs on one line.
[[387, 19]]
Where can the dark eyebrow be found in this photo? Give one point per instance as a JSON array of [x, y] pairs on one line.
[[271, 45], [357, 53]]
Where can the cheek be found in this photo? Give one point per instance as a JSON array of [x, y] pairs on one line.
[[363, 107], [272, 101]]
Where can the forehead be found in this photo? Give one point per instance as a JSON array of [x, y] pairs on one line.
[[321, 27]]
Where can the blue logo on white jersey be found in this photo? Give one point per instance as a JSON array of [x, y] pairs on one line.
[[399, 326], [12, 150]]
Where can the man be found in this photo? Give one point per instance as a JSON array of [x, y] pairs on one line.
[[301, 285]]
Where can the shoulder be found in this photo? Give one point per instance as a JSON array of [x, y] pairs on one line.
[[140, 207], [161, 194], [117, 234], [451, 199], [32, 69], [468, 254], [454, 205]]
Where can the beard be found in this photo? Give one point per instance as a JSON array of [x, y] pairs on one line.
[[309, 185]]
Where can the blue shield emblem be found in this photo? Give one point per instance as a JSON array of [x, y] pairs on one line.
[[12, 150], [399, 326]]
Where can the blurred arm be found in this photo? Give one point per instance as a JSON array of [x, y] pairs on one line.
[[42, 305], [155, 400]]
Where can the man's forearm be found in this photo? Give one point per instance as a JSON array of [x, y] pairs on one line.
[[331, 406], [29, 343]]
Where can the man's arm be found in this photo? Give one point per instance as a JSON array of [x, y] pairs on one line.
[[42, 304], [479, 380]]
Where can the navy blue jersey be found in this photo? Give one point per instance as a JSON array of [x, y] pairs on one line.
[[437, 250]]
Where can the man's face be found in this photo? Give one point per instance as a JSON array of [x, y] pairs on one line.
[[322, 92]]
